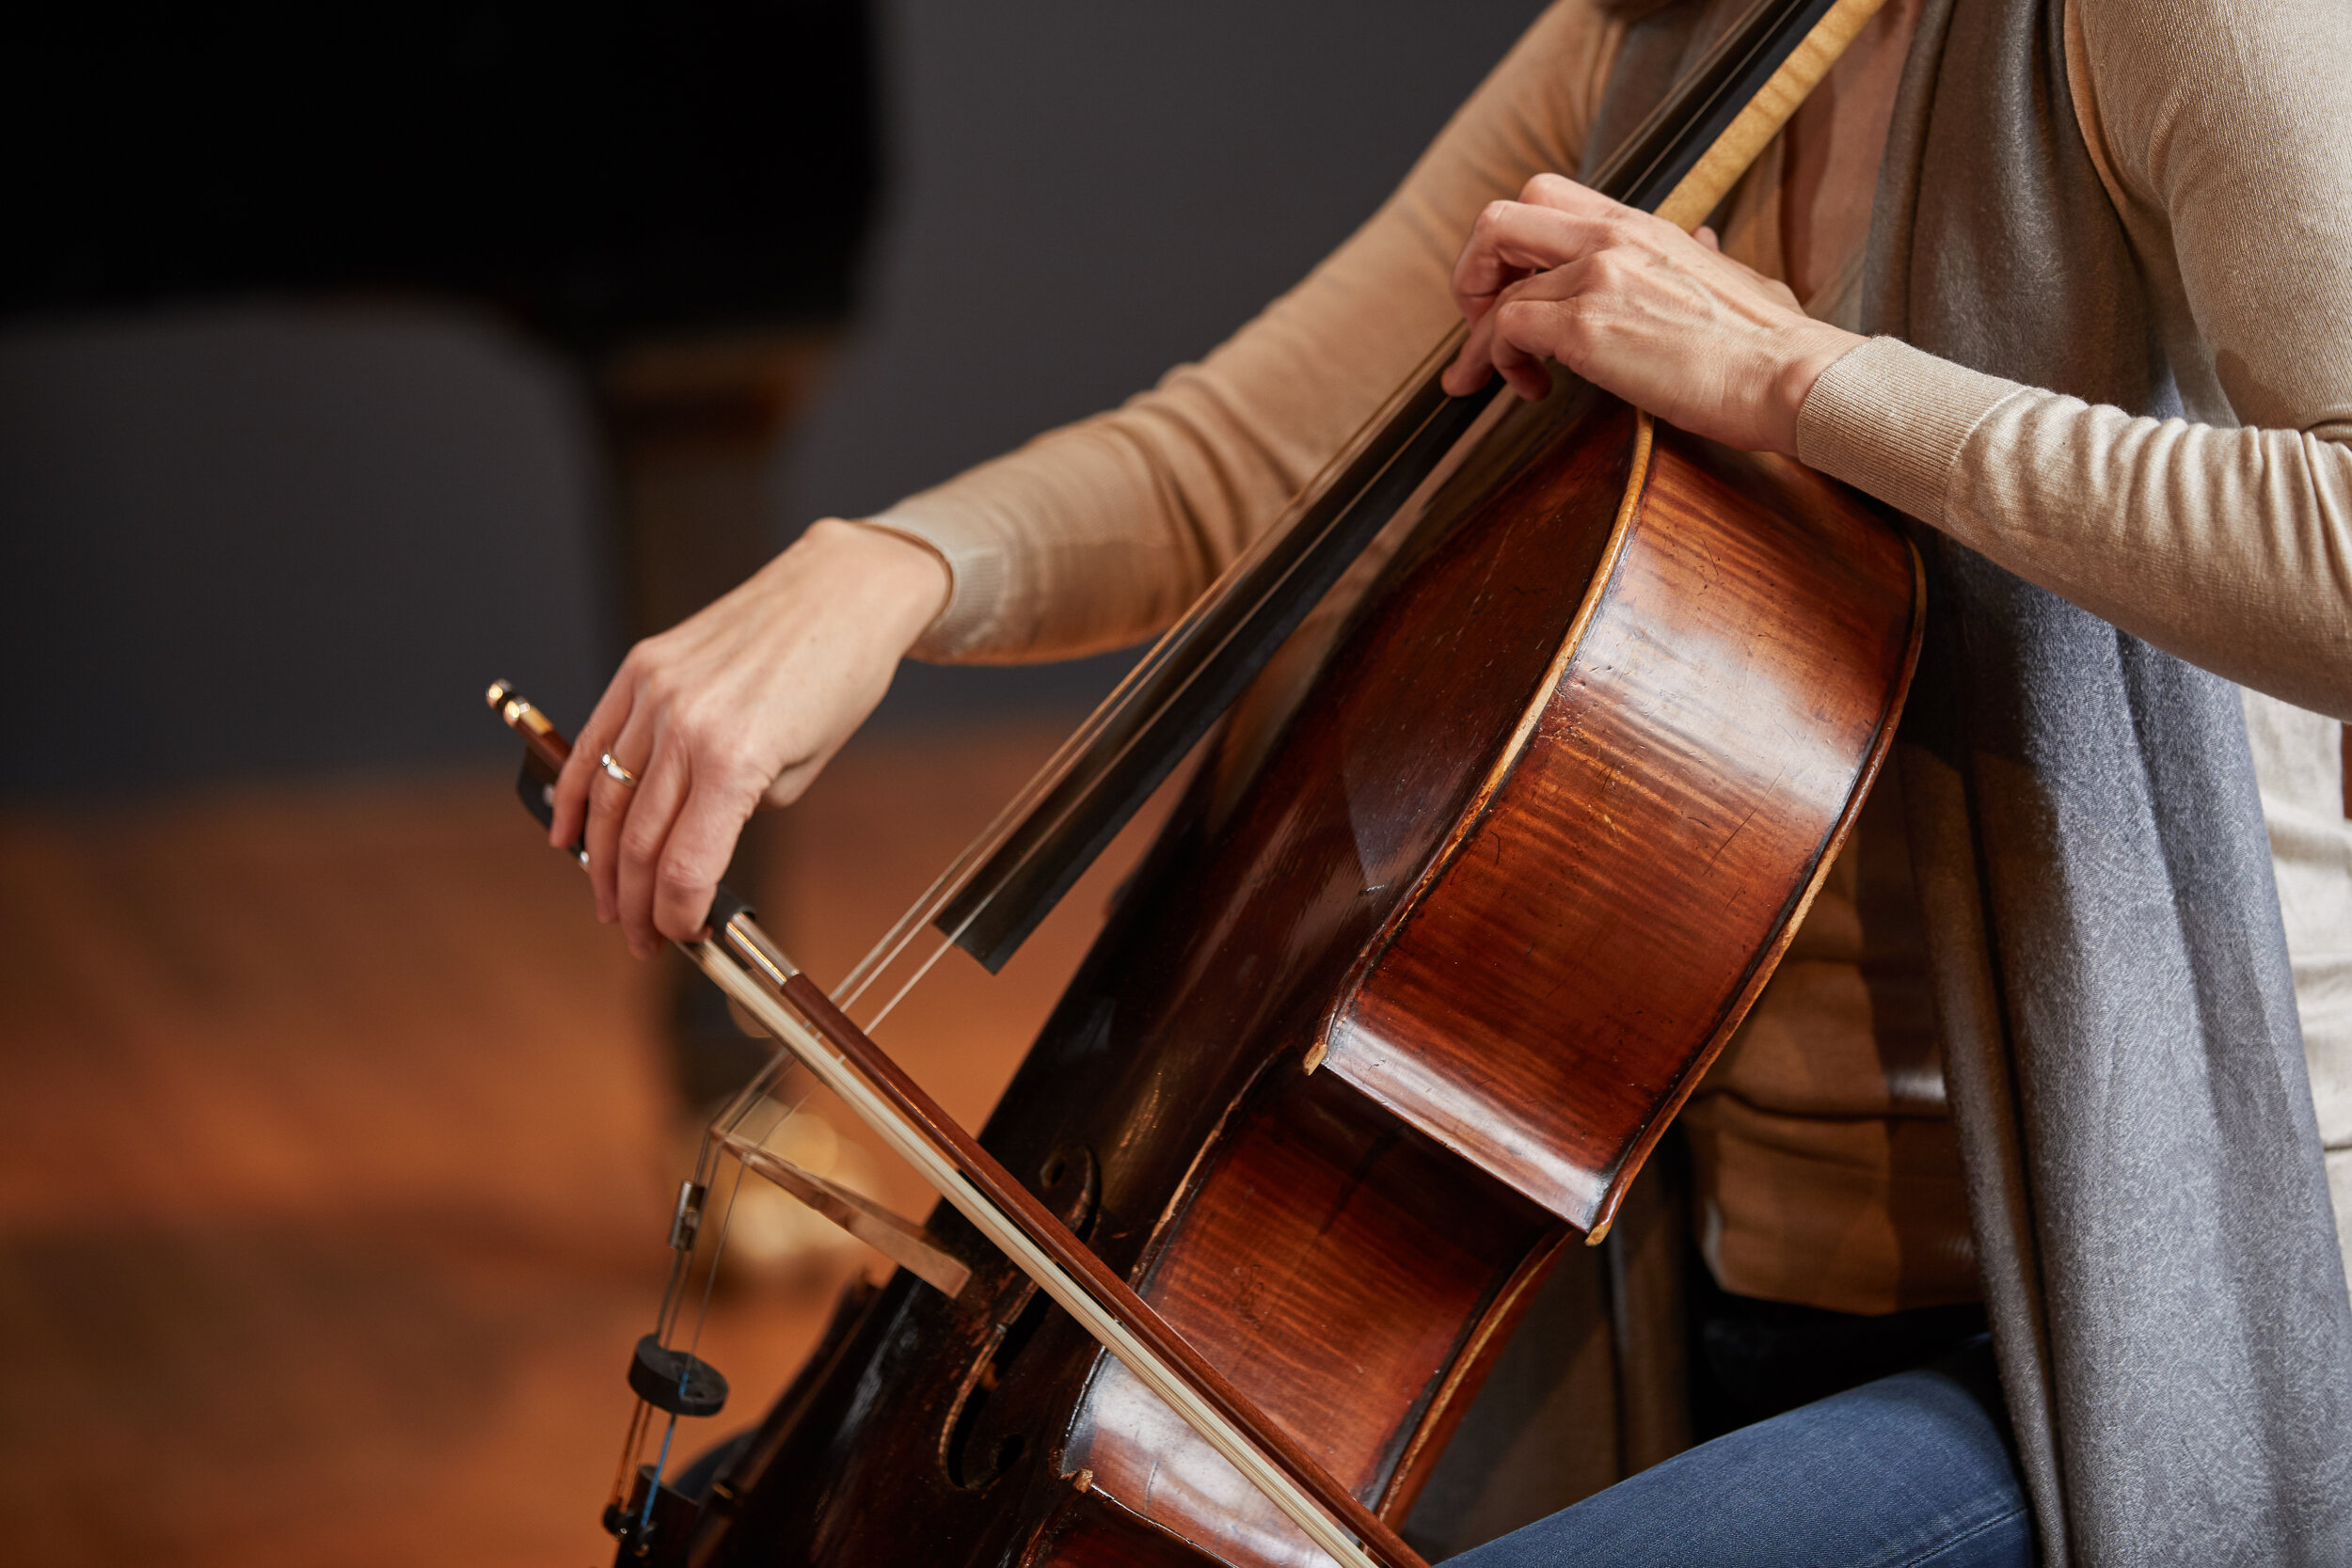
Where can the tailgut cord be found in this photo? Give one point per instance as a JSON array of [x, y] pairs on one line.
[[653, 1488]]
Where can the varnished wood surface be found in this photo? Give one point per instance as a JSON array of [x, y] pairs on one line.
[[336, 1155], [1645, 851], [1060, 1258], [1339, 1262]]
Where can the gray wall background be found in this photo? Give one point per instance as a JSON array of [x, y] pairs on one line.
[[271, 538]]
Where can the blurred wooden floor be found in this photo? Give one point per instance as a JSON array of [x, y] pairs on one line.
[[336, 1152]]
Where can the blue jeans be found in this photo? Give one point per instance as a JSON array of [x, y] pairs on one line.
[[1910, 1471]]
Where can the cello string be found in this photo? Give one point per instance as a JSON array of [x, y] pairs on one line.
[[1016, 814], [913, 980], [710, 1281], [681, 1259], [779, 1068], [1220, 593], [666, 1325], [886, 953], [903, 935], [950, 882], [1001, 825], [673, 1293], [726, 1216]]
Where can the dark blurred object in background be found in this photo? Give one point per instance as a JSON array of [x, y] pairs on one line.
[[603, 170], [273, 503]]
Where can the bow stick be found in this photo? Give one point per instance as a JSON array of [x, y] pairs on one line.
[[745, 963]]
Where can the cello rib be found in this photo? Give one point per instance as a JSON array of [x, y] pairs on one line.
[[1651, 835]]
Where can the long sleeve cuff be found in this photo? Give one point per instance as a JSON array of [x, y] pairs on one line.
[[1891, 420], [979, 579]]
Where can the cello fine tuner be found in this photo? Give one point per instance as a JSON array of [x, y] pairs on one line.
[[686, 1222]]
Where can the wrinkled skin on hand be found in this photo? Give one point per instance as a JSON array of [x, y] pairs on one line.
[[736, 708], [1633, 305]]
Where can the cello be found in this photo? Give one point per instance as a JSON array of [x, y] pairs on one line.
[[1399, 1003]]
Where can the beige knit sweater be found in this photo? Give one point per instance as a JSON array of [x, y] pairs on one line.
[[1827, 1170]]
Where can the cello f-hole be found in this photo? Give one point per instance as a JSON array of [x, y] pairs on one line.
[[1071, 1183], [973, 1453]]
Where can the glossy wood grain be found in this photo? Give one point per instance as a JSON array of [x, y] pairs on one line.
[[1344, 1261], [1082, 1285], [1577, 954], [1090, 1530]]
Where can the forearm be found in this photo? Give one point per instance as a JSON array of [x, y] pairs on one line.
[[2230, 548]]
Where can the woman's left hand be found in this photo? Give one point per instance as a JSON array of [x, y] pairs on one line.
[[1639, 308]]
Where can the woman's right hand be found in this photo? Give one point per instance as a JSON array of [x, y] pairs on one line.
[[736, 707]]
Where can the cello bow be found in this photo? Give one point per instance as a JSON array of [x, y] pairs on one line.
[[740, 958]]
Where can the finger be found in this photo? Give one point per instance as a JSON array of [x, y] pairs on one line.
[[1510, 241], [1561, 327], [1510, 350], [1563, 195], [1472, 368], [669, 779], [1601, 223], [1474, 282], [611, 803], [1477, 356], [1707, 236], [1522, 368], [579, 769], [700, 844], [1498, 357]]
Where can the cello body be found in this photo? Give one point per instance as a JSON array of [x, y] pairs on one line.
[[1389, 1016]]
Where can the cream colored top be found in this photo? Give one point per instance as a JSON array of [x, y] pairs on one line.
[[2225, 142]]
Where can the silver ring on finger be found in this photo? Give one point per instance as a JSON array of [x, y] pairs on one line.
[[617, 773]]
